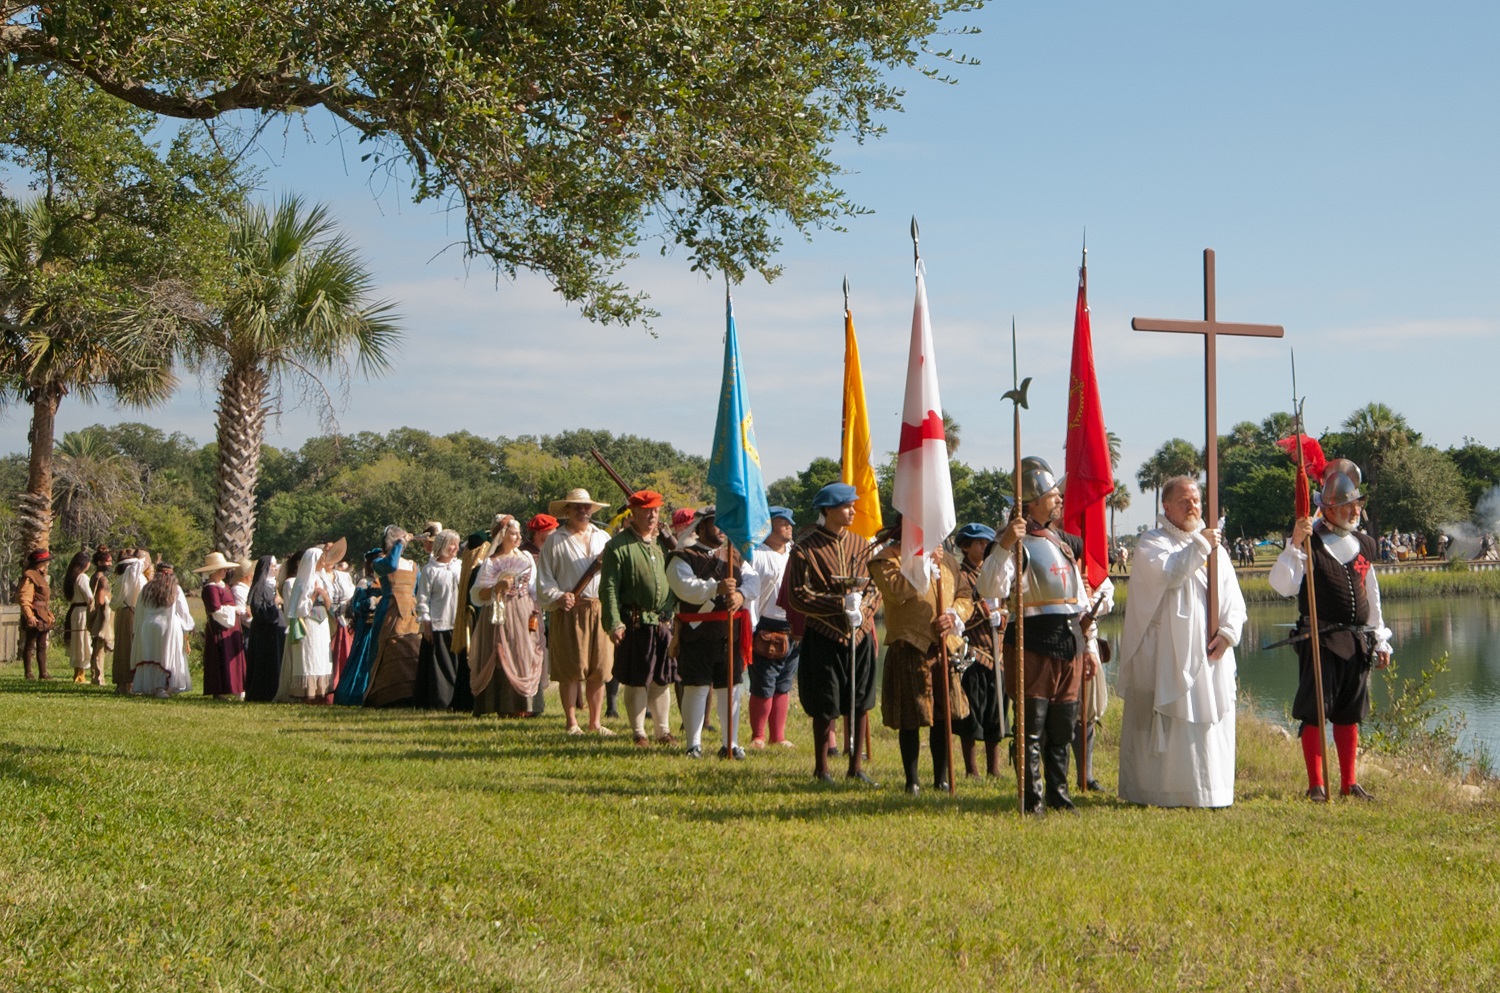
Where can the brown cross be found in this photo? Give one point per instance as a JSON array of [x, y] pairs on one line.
[[1210, 327]]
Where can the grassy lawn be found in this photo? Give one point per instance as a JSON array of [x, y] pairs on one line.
[[192, 845]]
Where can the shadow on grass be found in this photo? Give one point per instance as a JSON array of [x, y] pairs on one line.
[[13, 766]]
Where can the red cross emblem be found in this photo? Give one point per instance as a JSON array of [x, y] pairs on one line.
[[1058, 569], [1360, 565]]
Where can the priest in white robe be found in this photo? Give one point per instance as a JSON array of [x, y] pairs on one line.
[[1178, 686]]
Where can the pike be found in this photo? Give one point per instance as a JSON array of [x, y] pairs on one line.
[[1303, 508], [1017, 396]]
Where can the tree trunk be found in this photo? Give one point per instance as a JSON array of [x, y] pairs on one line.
[[241, 428], [34, 507]]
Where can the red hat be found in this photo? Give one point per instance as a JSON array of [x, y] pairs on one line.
[[38, 555], [541, 522], [683, 517], [645, 500]]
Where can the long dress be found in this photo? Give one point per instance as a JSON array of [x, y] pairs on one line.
[[223, 645], [80, 644], [339, 627], [132, 577], [354, 680], [101, 624], [398, 641], [1177, 731], [506, 663], [160, 647], [307, 662], [263, 648]]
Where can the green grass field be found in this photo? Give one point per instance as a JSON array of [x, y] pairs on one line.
[[193, 845]]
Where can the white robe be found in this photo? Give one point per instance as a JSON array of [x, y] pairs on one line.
[[1177, 733], [160, 649]]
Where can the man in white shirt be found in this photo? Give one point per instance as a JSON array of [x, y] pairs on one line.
[[1352, 631], [568, 589], [710, 591], [774, 663], [436, 597]]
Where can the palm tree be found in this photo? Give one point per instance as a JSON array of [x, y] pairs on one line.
[[1114, 449], [73, 320], [1375, 431], [1174, 458], [951, 433], [90, 481], [295, 306], [1118, 500]]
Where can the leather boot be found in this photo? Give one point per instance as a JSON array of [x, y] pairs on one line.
[[1036, 721], [1061, 718], [941, 747]]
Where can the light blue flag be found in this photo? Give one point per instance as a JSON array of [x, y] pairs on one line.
[[734, 469]]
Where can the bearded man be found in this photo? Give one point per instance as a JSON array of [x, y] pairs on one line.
[[1057, 648], [637, 612], [1351, 628], [1177, 670]]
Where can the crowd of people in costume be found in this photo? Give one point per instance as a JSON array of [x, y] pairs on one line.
[[665, 610]]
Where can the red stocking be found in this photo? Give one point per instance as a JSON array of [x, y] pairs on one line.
[[779, 705], [1346, 738], [760, 709], [1312, 754]]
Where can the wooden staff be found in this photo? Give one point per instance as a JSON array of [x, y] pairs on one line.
[[1302, 505], [729, 717], [947, 691], [1017, 396]]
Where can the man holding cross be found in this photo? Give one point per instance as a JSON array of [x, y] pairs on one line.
[[1177, 669]]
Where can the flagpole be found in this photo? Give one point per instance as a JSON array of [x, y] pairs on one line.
[[851, 728], [729, 715], [1083, 693]]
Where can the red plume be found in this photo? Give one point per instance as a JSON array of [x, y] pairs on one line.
[[1311, 465], [1312, 454]]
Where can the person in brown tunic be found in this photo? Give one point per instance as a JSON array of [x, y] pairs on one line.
[[101, 615], [34, 596], [825, 579], [398, 639], [915, 626]]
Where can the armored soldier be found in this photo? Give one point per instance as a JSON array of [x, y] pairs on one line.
[[1351, 628], [1057, 649]]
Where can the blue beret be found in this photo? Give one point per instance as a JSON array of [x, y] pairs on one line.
[[783, 512], [971, 531], [834, 495]]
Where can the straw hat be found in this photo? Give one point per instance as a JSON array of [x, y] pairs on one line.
[[334, 553], [244, 569], [215, 562], [576, 495]]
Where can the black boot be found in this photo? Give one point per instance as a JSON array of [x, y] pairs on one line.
[[611, 698], [941, 746], [911, 748], [1061, 719], [1036, 721]]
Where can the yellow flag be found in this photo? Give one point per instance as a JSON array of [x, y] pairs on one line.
[[856, 468]]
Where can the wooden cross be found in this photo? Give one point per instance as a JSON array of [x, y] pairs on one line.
[[1210, 327]]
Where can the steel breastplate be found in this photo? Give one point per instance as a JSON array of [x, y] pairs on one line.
[[1051, 579]]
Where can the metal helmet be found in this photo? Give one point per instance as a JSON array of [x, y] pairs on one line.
[[1037, 482], [1034, 462], [1344, 466], [1339, 489]]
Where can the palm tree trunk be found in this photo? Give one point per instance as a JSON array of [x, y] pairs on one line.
[[34, 507], [241, 428]]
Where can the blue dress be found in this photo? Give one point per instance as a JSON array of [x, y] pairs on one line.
[[355, 679]]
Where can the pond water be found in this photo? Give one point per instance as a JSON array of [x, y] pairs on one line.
[[1468, 629]]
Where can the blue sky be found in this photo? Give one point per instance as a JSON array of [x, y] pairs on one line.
[[1340, 159]]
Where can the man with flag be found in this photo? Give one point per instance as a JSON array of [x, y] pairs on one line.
[[1090, 477], [922, 493], [740, 515]]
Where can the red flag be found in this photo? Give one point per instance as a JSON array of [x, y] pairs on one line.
[[1090, 477]]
